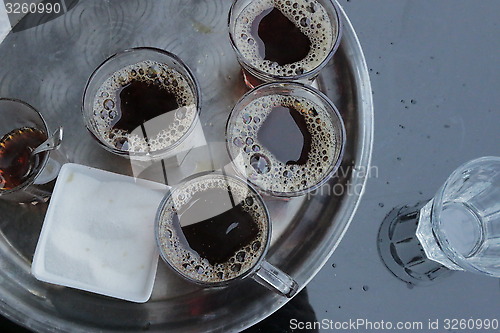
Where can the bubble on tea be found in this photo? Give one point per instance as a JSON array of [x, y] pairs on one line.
[[172, 237], [307, 16], [273, 170], [164, 126]]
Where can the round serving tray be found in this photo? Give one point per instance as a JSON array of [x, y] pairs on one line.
[[46, 62]]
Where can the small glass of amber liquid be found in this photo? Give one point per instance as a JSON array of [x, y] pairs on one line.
[[21, 131], [284, 40]]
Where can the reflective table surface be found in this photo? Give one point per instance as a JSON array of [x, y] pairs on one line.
[[434, 69], [46, 62]]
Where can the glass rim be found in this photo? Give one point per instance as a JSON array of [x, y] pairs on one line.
[[31, 179], [437, 208], [274, 77], [163, 207], [331, 109], [148, 154]]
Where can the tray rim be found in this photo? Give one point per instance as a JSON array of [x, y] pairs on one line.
[[366, 134]]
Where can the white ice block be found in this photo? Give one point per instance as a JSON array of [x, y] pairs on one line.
[[98, 234]]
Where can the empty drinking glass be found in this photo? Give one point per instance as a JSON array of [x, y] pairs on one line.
[[460, 227]]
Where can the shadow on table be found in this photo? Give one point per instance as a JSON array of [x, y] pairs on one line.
[[401, 251], [298, 309]]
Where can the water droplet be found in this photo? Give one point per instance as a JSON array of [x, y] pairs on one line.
[[305, 22], [249, 201], [249, 141], [413, 101], [256, 120], [109, 104], [260, 163], [287, 174], [365, 288], [256, 246], [199, 269], [256, 148]]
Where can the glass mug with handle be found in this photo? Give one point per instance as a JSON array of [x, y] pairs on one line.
[[214, 229], [25, 175], [460, 226]]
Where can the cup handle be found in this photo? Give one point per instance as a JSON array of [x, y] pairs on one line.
[[276, 280]]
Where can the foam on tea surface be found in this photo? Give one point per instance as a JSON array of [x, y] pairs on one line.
[[213, 229], [308, 17], [284, 153], [143, 107]]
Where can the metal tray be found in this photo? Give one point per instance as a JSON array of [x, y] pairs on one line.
[[47, 66]]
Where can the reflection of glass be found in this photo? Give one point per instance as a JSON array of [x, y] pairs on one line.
[[460, 227], [141, 103], [24, 177], [283, 40], [401, 251], [215, 229], [286, 138]]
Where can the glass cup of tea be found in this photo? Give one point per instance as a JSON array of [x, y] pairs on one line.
[[460, 226], [278, 40], [287, 139], [214, 229], [141, 103], [24, 176]]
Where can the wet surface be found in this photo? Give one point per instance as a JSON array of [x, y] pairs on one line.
[[436, 107]]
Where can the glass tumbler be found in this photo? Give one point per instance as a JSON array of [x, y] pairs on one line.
[[286, 138], [25, 177], [278, 40], [141, 103], [460, 227]]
